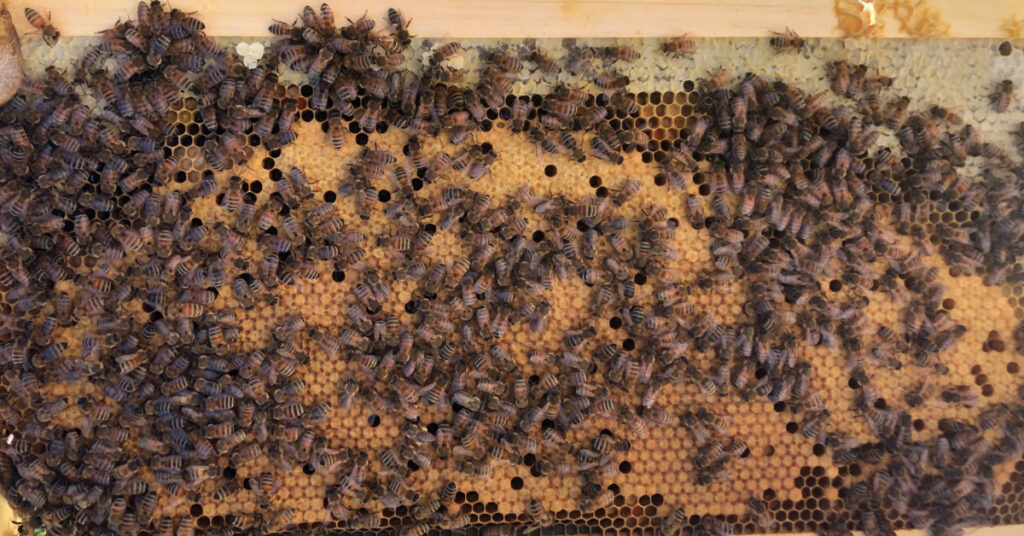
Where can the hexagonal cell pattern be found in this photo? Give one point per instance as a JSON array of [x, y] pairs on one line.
[[793, 474]]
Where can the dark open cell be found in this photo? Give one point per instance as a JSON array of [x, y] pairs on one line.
[[628, 344], [538, 236], [229, 472], [625, 467], [792, 427], [595, 181], [338, 276], [384, 196], [373, 421], [330, 196], [602, 191], [516, 483], [1005, 48], [308, 469], [550, 170], [362, 139]]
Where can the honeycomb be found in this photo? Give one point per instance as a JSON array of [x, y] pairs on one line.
[[801, 486], [794, 476]]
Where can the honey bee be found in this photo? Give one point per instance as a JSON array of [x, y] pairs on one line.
[[609, 80], [336, 132], [629, 190], [787, 41], [1003, 96], [679, 46], [946, 115], [43, 24], [400, 27], [602, 499], [538, 514], [672, 523], [695, 211], [445, 52], [621, 53], [545, 63]]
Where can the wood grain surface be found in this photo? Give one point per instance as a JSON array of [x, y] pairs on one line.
[[538, 18]]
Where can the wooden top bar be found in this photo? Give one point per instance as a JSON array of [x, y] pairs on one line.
[[540, 18]]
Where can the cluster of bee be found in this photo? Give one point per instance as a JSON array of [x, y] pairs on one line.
[[163, 409], [345, 63], [715, 446], [795, 181]]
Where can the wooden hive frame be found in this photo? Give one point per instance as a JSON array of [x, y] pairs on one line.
[[317, 158]]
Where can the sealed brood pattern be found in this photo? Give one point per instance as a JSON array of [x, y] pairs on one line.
[[797, 482]]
